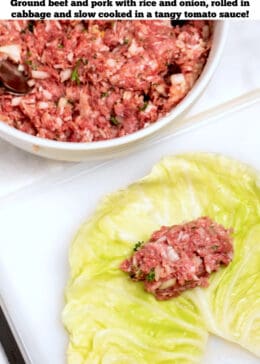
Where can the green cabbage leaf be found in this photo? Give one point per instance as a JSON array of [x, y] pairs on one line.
[[110, 320]]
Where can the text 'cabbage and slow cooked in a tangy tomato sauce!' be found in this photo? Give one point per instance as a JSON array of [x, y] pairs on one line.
[[180, 257], [98, 80]]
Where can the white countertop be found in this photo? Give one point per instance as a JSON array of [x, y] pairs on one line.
[[238, 73]]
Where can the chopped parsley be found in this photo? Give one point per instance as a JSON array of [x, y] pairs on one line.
[[31, 64], [126, 41], [138, 245], [28, 61], [214, 247], [75, 74], [113, 120], [144, 106], [60, 45], [104, 94], [150, 276]]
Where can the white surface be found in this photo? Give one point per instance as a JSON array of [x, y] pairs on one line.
[[38, 226], [237, 73]]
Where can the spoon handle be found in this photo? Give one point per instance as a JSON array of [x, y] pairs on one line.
[[10, 344], [13, 80]]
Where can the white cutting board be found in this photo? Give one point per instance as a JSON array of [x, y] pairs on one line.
[[37, 226]]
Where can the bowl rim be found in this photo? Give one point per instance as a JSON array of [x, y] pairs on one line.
[[200, 84]]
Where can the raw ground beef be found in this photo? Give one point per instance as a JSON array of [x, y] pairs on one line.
[[97, 80], [180, 257]]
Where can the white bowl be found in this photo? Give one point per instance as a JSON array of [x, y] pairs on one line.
[[106, 149]]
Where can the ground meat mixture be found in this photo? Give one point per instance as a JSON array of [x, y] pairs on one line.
[[97, 80], [180, 257]]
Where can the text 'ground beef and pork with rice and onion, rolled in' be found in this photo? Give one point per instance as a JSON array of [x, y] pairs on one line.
[[180, 257], [97, 80]]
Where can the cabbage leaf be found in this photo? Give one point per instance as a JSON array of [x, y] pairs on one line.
[[110, 320]]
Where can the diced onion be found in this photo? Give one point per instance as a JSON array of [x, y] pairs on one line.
[[161, 89], [47, 94], [134, 49], [157, 272], [29, 101], [70, 56], [43, 105], [172, 254], [65, 75], [177, 79], [40, 74], [79, 27], [17, 25], [162, 239], [31, 83], [58, 122], [111, 62], [57, 23], [149, 108], [21, 68], [167, 284], [62, 103], [47, 26], [16, 101], [127, 95], [13, 51]]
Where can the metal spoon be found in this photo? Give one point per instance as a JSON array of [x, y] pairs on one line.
[[13, 80]]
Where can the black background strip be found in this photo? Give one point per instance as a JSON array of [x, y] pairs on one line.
[[10, 346]]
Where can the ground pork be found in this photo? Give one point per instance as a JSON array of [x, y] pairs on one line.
[[97, 80], [180, 257]]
